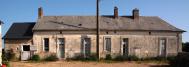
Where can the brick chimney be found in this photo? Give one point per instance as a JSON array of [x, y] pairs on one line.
[[40, 12], [116, 12], [136, 14]]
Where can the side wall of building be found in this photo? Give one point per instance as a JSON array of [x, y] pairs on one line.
[[16, 46]]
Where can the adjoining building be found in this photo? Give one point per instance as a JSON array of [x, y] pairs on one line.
[[1, 23], [69, 36]]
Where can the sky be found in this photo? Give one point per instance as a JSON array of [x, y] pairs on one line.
[[175, 12]]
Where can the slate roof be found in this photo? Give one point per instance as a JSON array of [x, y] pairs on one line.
[[146, 23], [20, 31]]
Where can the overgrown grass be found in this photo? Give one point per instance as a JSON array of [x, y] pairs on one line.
[[81, 57], [35, 58], [51, 57]]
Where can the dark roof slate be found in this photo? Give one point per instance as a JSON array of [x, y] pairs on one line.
[[152, 23], [20, 31]]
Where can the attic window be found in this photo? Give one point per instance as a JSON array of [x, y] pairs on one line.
[[79, 24]]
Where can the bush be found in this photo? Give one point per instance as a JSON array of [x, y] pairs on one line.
[[185, 47], [108, 57], [4, 59], [35, 58], [133, 58], [120, 58], [92, 58], [126, 58], [10, 55], [182, 60], [52, 57], [81, 57]]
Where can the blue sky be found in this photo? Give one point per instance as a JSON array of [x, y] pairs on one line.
[[176, 12]]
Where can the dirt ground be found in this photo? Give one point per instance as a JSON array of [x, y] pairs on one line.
[[84, 64]]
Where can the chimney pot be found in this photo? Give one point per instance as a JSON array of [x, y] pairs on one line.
[[136, 14], [116, 12], [40, 12]]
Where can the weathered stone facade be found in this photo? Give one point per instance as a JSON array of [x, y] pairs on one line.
[[16, 46], [147, 44], [68, 36]]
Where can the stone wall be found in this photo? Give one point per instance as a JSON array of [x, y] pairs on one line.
[[147, 44], [15, 45]]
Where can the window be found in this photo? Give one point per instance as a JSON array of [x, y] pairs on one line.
[[46, 44], [26, 47], [108, 44]]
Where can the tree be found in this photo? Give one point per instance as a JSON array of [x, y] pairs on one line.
[[185, 47]]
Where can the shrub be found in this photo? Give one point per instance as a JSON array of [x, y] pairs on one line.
[[108, 57], [185, 47], [92, 57], [133, 58], [81, 57], [4, 59], [120, 58], [181, 60], [10, 55], [52, 57], [35, 58]]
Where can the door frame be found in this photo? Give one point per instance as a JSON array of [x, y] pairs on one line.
[[121, 46], [104, 45], [83, 46], [22, 50], [166, 43], [58, 43]]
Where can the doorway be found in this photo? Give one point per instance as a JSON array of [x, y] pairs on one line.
[[86, 47], [61, 43], [125, 44], [25, 54], [162, 47]]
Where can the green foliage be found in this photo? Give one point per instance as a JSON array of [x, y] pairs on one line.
[[6, 63], [35, 58], [4, 59], [81, 57], [120, 58], [133, 58], [108, 57], [182, 60], [52, 57], [10, 55], [185, 47]]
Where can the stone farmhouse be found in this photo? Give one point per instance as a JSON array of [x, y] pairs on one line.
[[69, 36]]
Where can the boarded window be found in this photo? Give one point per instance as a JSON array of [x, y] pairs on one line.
[[46, 44], [108, 44]]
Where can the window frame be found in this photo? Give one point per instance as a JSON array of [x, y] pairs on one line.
[[105, 44], [44, 45]]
